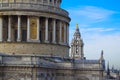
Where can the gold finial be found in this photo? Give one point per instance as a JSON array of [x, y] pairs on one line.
[[76, 26]]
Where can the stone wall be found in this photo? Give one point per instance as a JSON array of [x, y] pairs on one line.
[[40, 73], [16, 67], [34, 48]]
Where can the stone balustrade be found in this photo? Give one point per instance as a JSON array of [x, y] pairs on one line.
[[46, 62], [33, 7]]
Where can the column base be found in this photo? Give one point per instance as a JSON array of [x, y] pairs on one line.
[[28, 41], [9, 40], [54, 42], [18, 40], [65, 44], [46, 41], [33, 40], [60, 42], [37, 41], [1, 40]]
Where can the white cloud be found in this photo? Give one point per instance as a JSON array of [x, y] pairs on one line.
[[99, 29], [109, 43], [95, 13], [90, 14]]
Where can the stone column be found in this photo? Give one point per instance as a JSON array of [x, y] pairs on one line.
[[65, 33], [46, 30], [19, 29], [9, 29], [1, 29], [60, 32], [28, 28], [38, 29], [54, 31]]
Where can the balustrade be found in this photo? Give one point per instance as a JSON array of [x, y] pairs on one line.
[[32, 7]]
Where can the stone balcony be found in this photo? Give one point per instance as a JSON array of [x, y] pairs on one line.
[[32, 7]]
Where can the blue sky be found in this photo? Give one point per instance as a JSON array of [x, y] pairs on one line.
[[99, 24]]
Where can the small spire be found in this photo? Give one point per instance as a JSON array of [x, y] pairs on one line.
[[102, 54], [113, 68], [102, 58], [108, 70], [76, 26]]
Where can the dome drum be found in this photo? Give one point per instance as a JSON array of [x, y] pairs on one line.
[[30, 29]]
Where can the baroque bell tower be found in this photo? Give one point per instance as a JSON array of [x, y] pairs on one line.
[[77, 45]]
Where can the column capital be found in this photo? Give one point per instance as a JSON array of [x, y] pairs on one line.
[[46, 18]]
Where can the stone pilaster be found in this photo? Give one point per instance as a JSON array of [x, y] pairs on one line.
[[1, 29], [65, 33]]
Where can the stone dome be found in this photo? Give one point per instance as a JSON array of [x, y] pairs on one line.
[[34, 26]]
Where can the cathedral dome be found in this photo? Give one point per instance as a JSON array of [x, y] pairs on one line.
[[34, 26]]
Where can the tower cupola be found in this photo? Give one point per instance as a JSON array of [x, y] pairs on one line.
[[77, 45]]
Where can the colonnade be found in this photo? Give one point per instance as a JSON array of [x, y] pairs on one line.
[[62, 27]]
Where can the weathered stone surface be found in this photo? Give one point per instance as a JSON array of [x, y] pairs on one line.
[[34, 48], [32, 67]]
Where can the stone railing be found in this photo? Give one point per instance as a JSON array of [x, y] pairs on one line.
[[79, 66], [32, 7]]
